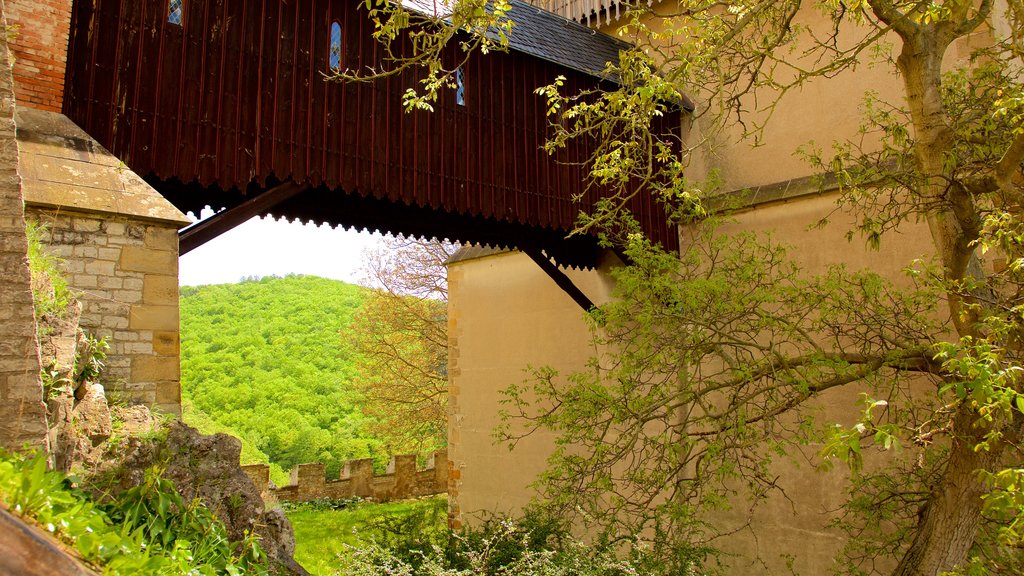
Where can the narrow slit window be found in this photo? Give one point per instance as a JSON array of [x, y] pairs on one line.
[[175, 12], [335, 53], [460, 88]]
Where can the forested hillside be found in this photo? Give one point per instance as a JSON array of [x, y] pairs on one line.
[[266, 359]]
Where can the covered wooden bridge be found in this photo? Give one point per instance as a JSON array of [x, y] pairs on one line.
[[223, 103]]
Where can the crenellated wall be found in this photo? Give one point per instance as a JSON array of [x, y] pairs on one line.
[[401, 481]]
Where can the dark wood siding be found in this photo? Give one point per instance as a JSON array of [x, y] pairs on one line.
[[234, 100]]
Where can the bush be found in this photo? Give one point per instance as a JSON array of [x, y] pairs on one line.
[[534, 545], [50, 291], [146, 530], [321, 504]]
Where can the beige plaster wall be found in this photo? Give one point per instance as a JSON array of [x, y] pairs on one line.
[[505, 315], [821, 111]]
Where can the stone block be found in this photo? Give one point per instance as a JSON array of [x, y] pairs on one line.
[[73, 266], [155, 368], [142, 392], [139, 259], [160, 289], [87, 225], [359, 472], [11, 364], [83, 251], [168, 393], [110, 282], [166, 343], [84, 281], [108, 305], [259, 474], [161, 238], [173, 409], [153, 317], [139, 348], [100, 268], [112, 254], [127, 296]]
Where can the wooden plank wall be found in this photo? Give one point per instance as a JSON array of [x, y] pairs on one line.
[[236, 95]]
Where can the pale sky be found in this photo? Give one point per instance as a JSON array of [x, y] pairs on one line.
[[262, 247]]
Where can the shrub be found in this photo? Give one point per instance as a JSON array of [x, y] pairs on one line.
[[146, 530], [534, 545], [50, 291]]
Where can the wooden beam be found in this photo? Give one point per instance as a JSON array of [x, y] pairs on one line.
[[202, 232], [28, 551], [563, 281]]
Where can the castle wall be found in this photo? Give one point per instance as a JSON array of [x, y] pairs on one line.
[[505, 315], [116, 235], [820, 111], [125, 273], [118, 239], [357, 479], [22, 412]]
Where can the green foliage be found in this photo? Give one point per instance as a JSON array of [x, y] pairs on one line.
[[264, 359], [535, 545], [50, 291], [322, 504], [324, 534], [146, 530], [162, 518], [90, 357]]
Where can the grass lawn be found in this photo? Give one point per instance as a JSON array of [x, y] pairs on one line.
[[321, 535]]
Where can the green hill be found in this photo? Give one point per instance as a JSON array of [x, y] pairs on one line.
[[266, 360]]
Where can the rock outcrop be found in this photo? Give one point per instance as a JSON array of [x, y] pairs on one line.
[[205, 467], [81, 435]]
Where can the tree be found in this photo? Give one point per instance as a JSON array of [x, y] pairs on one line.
[[718, 358], [716, 355], [400, 335]]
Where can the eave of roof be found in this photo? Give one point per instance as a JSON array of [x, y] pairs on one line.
[[547, 36], [556, 39]]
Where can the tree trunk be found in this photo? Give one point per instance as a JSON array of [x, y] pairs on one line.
[[949, 521]]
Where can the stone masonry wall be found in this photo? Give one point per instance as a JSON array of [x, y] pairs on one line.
[[22, 412], [40, 43], [126, 272], [455, 416], [400, 482]]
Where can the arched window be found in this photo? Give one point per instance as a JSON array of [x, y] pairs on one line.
[[460, 88], [335, 54], [175, 12]]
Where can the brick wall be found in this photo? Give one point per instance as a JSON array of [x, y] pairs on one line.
[[126, 273], [22, 412], [401, 481], [39, 43]]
